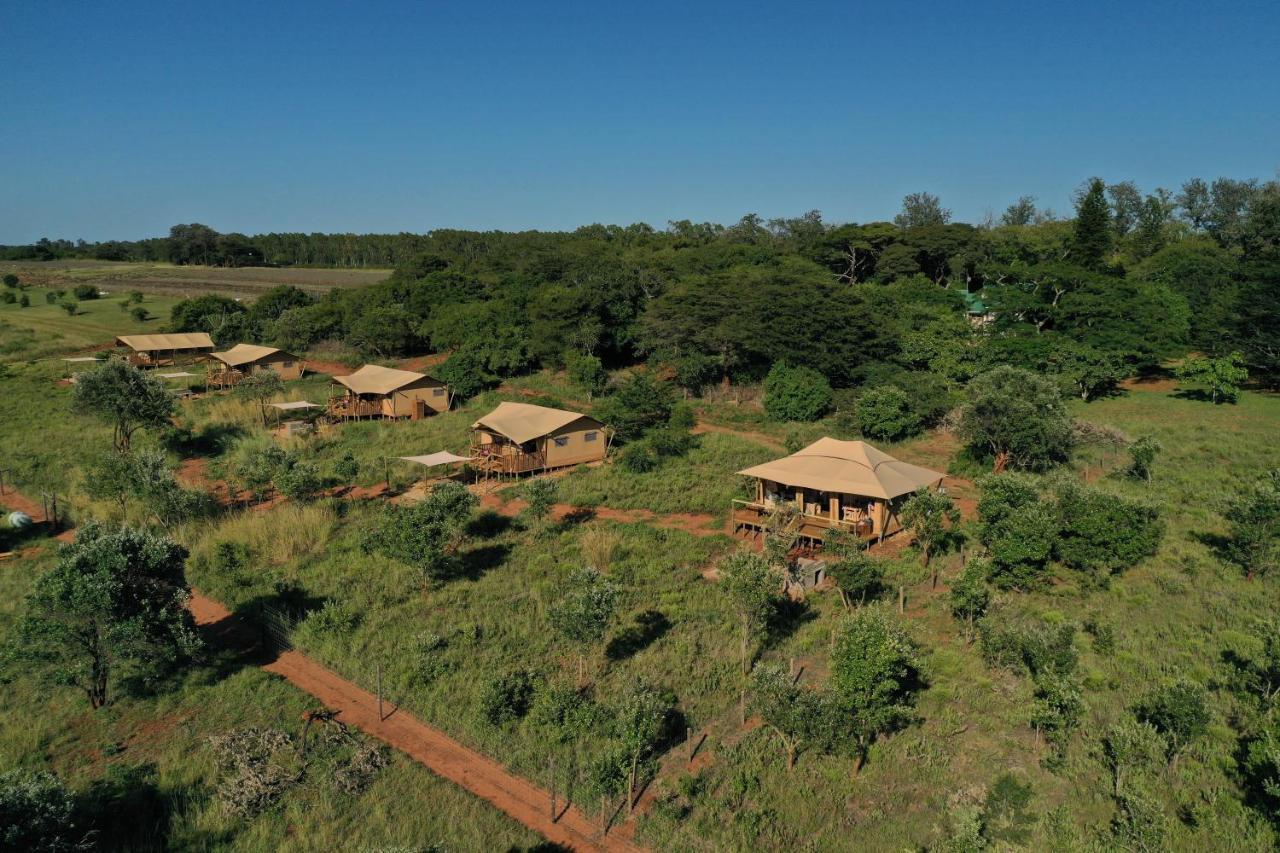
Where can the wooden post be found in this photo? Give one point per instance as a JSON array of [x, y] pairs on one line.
[[551, 771], [742, 706], [688, 742], [386, 472], [902, 599], [381, 716]]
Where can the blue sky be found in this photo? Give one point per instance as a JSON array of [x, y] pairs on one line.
[[119, 119]]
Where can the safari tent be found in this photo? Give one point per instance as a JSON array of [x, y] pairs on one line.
[[165, 350], [385, 392], [519, 438], [833, 484], [228, 368]]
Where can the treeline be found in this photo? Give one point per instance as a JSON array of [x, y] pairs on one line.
[[921, 303]]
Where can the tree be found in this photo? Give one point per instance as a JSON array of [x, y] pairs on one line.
[[583, 614], [921, 209], [639, 721], [24, 301], [427, 534], [1016, 418], [970, 596], [1131, 747], [638, 404], [1126, 206], [751, 585], [1092, 234], [874, 672], [540, 498], [1142, 456], [465, 374], [114, 605], [587, 372], [796, 393], [797, 716], [1261, 765], [37, 813], [1021, 212], [10, 280], [856, 573], [1104, 533], [1020, 546], [930, 516], [383, 331], [1223, 376], [1090, 371], [126, 397], [260, 387], [1179, 711], [1254, 519], [885, 414], [297, 481]]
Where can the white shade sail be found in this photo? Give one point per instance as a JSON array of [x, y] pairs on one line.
[[444, 457]]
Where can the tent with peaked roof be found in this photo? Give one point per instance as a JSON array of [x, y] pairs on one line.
[[229, 367], [520, 437], [835, 483], [152, 350], [377, 391]]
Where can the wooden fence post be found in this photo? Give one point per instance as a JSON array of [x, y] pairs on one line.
[[551, 772], [902, 599], [381, 717]]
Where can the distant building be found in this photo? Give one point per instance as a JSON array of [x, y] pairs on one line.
[[228, 368], [165, 350], [520, 438], [374, 391]]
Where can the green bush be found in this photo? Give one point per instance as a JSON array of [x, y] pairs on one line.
[[140, 314], [796, 393], [885, 414], [1002, 495], [1032, 647], [8, 297], [36, 812], [85, 291], [24, 301], [1105, 533], [429, 661], [1020, 546], [638, 404], [507, 697], [52, 296], [298, 481], [10, 280], [333, 618]]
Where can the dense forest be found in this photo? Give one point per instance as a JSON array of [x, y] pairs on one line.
[[922, 302]]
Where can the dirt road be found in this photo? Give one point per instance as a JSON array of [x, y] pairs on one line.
[[482, 776], [690, 522]]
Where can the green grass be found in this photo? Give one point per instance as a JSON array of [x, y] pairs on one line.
[[44, 330], [160, 743]]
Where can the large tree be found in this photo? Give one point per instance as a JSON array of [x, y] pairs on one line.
[[1016, 419], [124, 396], [426, 534], [115, 605], [1092, 239], [752, 586]]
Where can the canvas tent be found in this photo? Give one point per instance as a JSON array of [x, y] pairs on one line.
[[228, 368], [848, 485], [376, 391], [160, 350], [518, 438]]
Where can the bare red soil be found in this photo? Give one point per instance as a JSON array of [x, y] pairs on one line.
[[689, 522]]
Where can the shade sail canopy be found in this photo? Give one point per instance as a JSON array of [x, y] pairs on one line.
[[523, 422], [375, 379], [294, 405], [847, 467], [444, 457], [174, 342], [245, 354], [181, 374], [80, 358]]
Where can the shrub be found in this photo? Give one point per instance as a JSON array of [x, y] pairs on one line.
[[507, 696], [36, 809], [333, 618], [587, 373], [140, 314], [566, 712], [465, 374], [10, 280], [1016, 418], [1254, 518], [299, 481], [52, 296], [1105, 533], [85, 291], [1033, 647], [70, 307], [1142, 456], [1020, 546], [24, 301], [8, 297], [429, 661], [638, 404], [1179, 711], [540, 497], [885, 414], [346, 468], [1002, 495], [796, 393], [1222, 377]]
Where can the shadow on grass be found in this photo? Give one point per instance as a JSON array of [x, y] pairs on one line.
[[472, 564], [211, 440], [645, 629], [786, 619], [127, 810], [576, 516], [489, 524], [1217, 543]]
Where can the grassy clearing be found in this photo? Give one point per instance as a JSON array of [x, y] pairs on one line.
[[183, 282], [43, 330]]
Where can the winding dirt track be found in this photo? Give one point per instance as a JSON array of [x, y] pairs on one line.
[[482, 776]]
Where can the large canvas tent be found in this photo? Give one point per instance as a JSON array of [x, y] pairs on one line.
[[517, 438], [229, 367], [846, 485], [374, 391], [163, 350]]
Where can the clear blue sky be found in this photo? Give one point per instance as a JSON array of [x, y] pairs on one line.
[[119, 119]]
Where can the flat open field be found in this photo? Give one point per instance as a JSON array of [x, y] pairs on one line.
[[187, 281], [43, 329]]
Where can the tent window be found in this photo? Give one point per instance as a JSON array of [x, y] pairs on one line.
[[287, 364], [591, 436], [439, 392], [563, 441]]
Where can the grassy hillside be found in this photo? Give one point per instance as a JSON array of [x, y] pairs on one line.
[[43, 329]]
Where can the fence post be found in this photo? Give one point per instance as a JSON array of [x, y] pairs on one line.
[[380, 715], [688, 742], [551, 772]]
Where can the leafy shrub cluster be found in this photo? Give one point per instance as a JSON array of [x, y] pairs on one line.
[[796, 393]]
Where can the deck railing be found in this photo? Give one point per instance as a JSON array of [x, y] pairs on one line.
[[353, 407], [507, 458], [754, 514]]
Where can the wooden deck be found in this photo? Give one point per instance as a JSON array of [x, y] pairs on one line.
[[350, 408], [753, 518], [223, 378], [506, 459]]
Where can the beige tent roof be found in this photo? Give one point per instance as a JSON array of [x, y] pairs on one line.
[[847, 467], [374, 379], [179, 341], [245, 354], [523, 422]]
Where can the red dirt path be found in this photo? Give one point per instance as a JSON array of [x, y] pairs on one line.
[[15, 500], [689, 522], [482, 776]]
